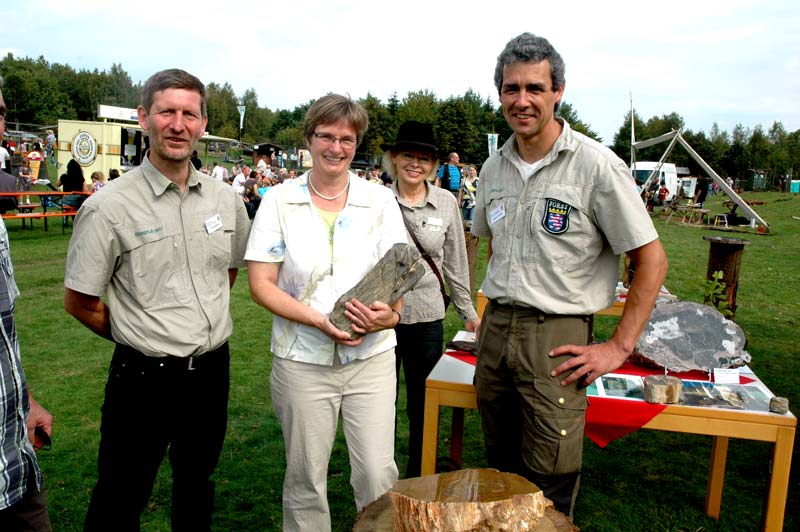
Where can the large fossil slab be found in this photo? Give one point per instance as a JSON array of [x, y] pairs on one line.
[[687, 336], [395, 274]]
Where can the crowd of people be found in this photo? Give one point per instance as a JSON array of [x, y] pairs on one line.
[[154, 255]]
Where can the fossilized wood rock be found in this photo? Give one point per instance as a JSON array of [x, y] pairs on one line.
[[662, 389], [467, 500], [379, 517], [395, 274], [686, 336]]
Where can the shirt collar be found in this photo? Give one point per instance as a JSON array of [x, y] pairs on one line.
[[358, 195], [160, 184], [429, 196], [565, 141]]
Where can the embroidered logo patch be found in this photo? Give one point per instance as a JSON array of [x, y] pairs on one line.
[[556, 216]]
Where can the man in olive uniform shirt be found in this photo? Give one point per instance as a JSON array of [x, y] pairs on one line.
[[559, 208], [162, 244]]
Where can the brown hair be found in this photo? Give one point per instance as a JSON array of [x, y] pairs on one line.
[[330, 109], [173, 78]]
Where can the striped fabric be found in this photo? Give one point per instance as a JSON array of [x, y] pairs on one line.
[[17, 457]]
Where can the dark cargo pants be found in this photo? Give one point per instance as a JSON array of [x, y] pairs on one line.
[[532, 425]]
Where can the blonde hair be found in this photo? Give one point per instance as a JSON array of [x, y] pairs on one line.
[[391, 168], [98, 176]]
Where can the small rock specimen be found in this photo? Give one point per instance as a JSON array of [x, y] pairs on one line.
[[467, 500], [662, 389], [779, 405], [395, 274]]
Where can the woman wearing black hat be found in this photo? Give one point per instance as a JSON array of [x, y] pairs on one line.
[[434, 224]]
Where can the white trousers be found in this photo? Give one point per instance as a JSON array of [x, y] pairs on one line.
[[308, 399]]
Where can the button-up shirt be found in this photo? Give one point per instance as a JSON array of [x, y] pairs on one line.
[[436, 222], [317, 267], [557, 235], [161, 258], [17, 457]]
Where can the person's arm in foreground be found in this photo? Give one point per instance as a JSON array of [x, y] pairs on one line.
[[264, 289], [591, 361], [90, 311]]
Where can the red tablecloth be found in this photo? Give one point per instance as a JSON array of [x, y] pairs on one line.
[[609, 418]]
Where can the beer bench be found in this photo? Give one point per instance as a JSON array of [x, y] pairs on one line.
[[27, 212]]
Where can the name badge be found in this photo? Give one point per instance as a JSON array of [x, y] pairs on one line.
[[433, 224], [213, 224], [497, 214]]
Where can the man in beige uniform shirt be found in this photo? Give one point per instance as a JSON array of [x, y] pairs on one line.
[[559, 208], [163, 244]]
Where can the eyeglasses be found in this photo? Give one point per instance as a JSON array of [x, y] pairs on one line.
[[327, 139]]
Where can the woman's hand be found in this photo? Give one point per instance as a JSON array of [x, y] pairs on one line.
[[474, 326], [337, 335], [367, 319]]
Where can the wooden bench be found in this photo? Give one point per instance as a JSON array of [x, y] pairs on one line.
[[26, 211], [64, 215]]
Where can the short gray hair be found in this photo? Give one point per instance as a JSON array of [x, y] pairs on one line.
[[529, 48]]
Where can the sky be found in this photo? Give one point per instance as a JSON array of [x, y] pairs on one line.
[[725, 62]]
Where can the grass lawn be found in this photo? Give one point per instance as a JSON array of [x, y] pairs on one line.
[[645, 481]]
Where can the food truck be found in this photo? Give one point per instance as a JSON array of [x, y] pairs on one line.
[[116, 142]]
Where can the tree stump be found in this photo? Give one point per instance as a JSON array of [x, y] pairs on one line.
[[466, 500]]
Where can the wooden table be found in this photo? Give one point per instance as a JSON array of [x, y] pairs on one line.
[[26, 212], [450, 384], [688, 214]]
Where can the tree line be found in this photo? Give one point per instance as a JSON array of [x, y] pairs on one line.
[[39, 93]]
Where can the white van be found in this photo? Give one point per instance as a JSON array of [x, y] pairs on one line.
[[668, 173]]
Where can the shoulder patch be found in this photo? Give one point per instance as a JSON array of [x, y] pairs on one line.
[[556, 216]]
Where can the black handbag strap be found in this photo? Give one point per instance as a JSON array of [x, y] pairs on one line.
[[424, 254]]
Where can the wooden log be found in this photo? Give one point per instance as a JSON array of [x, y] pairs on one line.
[[395, 274], [379, 517], [725, 255], [467, 500], [662, 389]]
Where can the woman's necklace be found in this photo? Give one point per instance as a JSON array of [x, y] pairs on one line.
[[329, 198], [413, 197]]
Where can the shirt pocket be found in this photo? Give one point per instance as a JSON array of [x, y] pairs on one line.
[[500, 214], [216, 246], [154, 269], [559, 233]]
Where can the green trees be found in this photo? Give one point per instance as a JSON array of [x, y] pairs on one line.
[[774, 153], [39, 93]]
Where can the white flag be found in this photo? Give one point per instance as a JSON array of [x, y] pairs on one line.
[[492, 138], [241, 109]]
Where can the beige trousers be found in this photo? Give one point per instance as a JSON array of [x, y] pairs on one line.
[[308, 399]]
